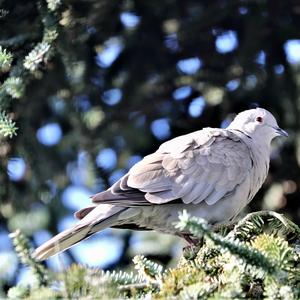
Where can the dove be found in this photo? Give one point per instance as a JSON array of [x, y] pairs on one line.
[[212, 173]]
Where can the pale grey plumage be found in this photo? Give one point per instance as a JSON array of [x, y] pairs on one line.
[[193, 171], [212, 173]]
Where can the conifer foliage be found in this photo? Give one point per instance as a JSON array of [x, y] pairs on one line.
[[262, 264]]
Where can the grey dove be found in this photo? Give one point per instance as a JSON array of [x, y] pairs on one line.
[[211, 173]]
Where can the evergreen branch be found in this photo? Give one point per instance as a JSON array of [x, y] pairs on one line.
[[5, 60], [216, 273], [276, 248], [75, 281], [42, 51], [18, 292], [274, 289], [24, 251], [122, 278], [53, 4], [151, 271], [279, 223], [3, 13], [14, 87], [7, 126], [199, 228], [136, 286], [247, 228], [254, 222], [37, 55], [50, 35]]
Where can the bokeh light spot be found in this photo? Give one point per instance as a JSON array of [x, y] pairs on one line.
[[8, 265], [5, 241], [279, 69], [129, 19], [16, 168], [112, 97], [106, 159], [189, 65], [292, 50], [76, 197], [160, 129], [111, 50], [98, 252], [243, 10], [182, 92], [171, 42], [196, 107], [50, 134], [261, 58], [232, 85], [227, 41]]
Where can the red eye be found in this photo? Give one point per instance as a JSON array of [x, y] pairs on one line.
[[259, 119]]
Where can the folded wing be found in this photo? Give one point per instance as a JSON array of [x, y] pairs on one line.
[[203, 166]]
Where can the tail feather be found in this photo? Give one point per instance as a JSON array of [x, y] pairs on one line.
[[80, 214], [84, 229], [61, 242]]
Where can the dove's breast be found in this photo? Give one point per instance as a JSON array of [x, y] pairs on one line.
[[261, 162]]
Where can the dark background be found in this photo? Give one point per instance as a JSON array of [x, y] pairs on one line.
[[120, 78]]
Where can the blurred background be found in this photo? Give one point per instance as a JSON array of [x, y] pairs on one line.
[[103, 83]]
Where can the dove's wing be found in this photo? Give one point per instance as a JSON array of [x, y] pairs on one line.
[[202, 166]]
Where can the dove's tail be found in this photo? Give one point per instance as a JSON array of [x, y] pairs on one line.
[[93, 222]]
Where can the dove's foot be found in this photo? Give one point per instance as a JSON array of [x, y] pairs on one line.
[[190, 252]]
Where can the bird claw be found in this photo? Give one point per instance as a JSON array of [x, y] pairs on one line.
[[190, 252]]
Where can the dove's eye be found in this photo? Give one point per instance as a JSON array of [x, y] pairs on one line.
[[259, 119]]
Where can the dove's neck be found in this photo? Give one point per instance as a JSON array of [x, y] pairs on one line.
[[260, 149], [259, 145]]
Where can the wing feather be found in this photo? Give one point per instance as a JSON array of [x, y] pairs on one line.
[[203, 166], [207, 171]]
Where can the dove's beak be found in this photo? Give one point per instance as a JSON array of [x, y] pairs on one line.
[[281, 132]]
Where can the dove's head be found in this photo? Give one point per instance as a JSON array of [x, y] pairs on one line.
[[257, 123]]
